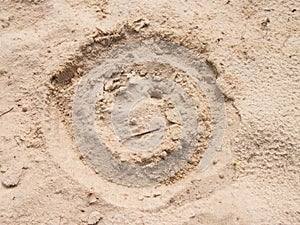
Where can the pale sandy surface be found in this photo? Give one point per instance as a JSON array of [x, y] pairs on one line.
[[254, 45]]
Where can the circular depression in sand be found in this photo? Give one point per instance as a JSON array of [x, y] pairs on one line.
[[146, 111]]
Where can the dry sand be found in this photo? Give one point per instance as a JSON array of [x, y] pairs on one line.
[[48, 45]]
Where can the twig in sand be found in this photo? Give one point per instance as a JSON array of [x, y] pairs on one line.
[[141, 134], [2, 114]]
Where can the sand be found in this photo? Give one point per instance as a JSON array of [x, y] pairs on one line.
[[250, 47]]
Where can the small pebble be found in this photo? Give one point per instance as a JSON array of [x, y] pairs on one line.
[[92, 198], [94, 218], [143, 73], [12, 176], [156, 194], [80, 71], [24, 109], [3, 169]]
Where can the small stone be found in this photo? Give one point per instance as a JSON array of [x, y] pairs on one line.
[[155, 93], [143, 73], [25, 167], [156, 194], [175, 132], [94, 218], [12, 176], [221, 176], [236, 140], [178, 79], [3, 72], [24, 109], [80, 71], [164, 155], [171, 105], [173, 116], [112, 84], [92, 198], [157, 78], [139, 23], [3, 169], [89, 49], [133, 121]]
